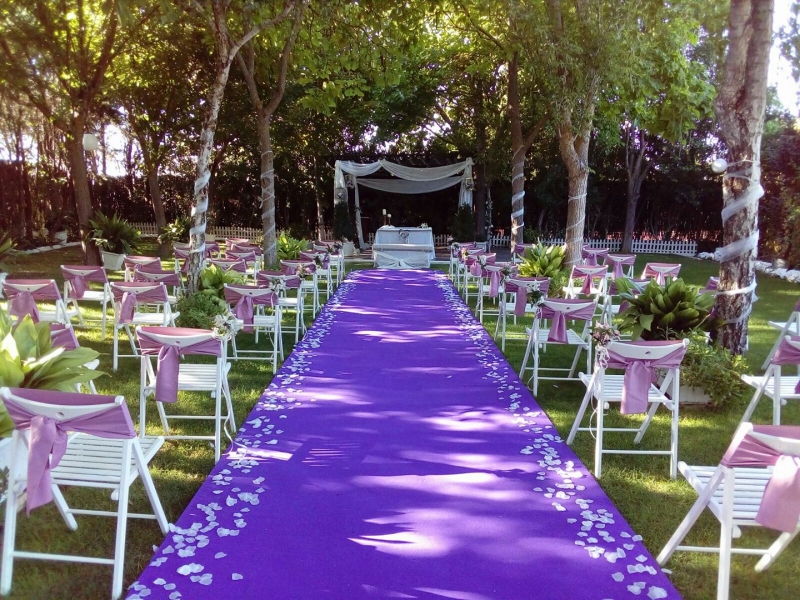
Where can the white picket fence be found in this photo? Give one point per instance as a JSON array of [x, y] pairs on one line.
[[679, 247], [251, 233]]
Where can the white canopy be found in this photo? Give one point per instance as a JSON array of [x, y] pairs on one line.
[[412, 180]]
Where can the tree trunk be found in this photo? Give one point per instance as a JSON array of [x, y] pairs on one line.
[[83, 199], [154, 186], [318, 196], [575, 154], [518, 151], [197, 235], [270, 243], [740, 113], [637, 167]]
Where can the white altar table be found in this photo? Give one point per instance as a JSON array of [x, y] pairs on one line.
[[403, 247]]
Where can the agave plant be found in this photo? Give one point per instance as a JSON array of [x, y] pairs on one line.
[[667, 312], [28, 360]]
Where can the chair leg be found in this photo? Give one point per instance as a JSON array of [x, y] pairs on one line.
[[63, 508], [587, 398], [122, 522], [115, 359], [598, 445], [775, 549], [12, 506], [150, 488], [726, 538]]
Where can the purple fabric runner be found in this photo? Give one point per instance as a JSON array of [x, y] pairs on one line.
[[396, 454]]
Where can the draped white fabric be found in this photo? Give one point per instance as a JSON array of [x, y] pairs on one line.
[[412, 180]]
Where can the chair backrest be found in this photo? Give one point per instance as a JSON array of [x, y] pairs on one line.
[[259, 295], [230, 264], [165, 277], [266, 278], [245, 255], [788, 352], [619, 262], [243, 247], [516, 283], [63, 336], [590, 255], [142, 262], [590, 275], [78, 277], [660, 271], [775, 446], [127, 294], [573, 309], [290, 267], [50, 415], [186, 340], [23, 294]]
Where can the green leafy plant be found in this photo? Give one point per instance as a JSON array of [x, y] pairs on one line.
[[6, 246], [289, 248], [462, 227], [715, 370], [343, 229], [177, 231], [199, 310], [668, 312], [546, 261], [113, 234], [213, 280], [531, 235], [28, 360]]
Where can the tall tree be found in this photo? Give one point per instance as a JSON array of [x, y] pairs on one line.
[[740, 113], [227, 25], [56, 54], [255, 72]]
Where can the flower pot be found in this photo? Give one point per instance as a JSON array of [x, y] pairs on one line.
[[349, 249], [112, 261], [694, 396], [60, 237]]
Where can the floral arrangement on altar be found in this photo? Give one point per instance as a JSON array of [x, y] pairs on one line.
[[226, 326], [423, 224]]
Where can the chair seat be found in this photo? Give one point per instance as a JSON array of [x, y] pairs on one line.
[[198, 377], [92, 296], [52, 316], [747, 494], [788, 384], [97, 461], [148, 319]]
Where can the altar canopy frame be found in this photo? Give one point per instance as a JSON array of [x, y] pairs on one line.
[[409, 180]]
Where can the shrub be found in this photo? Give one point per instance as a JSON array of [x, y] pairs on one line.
[[462, 227], [713, 369], [343, 229], [199, 310]]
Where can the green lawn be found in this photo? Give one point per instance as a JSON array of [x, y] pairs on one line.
[[651, 502]]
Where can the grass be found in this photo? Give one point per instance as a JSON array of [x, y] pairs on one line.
[[640, 486]]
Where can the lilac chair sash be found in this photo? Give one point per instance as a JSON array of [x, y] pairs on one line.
[[129, 294], [780, 505], [661, 271], [154, 275], [244, 311], [558, 326], [521, 300], [48, 437], [227, 264], [640, 373], [245, 303], [21, 304], [588, 275], [619, 260], [590, 255], [63, 336], [79, 278], [169, 354], [788, 354], [495, 277]]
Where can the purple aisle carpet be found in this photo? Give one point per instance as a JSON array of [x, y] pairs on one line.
[[397, 455]]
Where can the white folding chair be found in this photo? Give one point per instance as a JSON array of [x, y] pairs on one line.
[[474, 274], [324, 270], [481, 275], [755, 485], [169, 345], [775, 384], [590, 255], [24, 296], [514, 301], [284, 283], [634, 391], [77, 281], [789, 327], [309, 285], [252, 259], [140, 262], [621, 264], [587, 281], [258, 308], [558, 311], [138, 303], [167, 277], [101, 452], [660, 271]]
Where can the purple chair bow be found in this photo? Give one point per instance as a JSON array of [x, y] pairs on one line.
[[590, 255], [23, 294], [640, 373], [48, 435], [520, 286], [661, 270], [559, 310], [780, 508], [128, 294], [788, 354], [170, 343], [79, 276], [619, 260]]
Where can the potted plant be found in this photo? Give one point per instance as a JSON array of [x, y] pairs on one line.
[[709, 373], [212, 282], [343, 229], [546, 261], [28, 360], [115, 238]]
